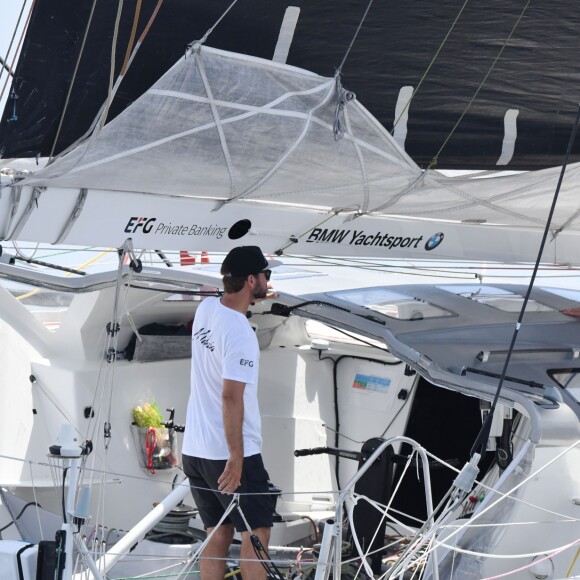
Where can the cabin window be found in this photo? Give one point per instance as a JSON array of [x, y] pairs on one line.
[[392, 303], [497, 298]]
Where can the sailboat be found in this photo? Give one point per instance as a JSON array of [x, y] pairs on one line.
[[411, 430]]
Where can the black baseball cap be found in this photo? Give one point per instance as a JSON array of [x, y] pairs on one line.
[[245, 260]]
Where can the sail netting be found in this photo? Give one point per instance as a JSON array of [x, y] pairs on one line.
[[229, 127], [234, 128]]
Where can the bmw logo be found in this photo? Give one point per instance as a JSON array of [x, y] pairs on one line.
[[434, 241]]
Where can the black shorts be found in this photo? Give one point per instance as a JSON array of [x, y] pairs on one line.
[[257, 506]]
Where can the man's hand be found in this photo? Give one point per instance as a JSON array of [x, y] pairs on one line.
[[231, 477]]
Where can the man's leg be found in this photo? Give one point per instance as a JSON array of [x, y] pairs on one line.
[[203, 474], [213, 558], [250, 566]]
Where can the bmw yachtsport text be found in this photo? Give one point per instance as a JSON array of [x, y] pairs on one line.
[[361, 238]]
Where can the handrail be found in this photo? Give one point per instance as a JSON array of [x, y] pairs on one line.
[[333, 531]]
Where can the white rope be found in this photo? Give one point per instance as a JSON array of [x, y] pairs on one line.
[[494, 503], [434, 545], [361, 160], [91, 130], [35, 500], [5, 67], [55, 403], [419, 84], [435, 159], [197, 554], [21, 254], [350, 505], [22, 34], [112, 72], [507, 556], [210, 30], [487, 488], [218, 123], [339, 70], [72, 81]]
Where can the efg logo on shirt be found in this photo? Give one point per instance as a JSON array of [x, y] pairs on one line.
[[246, 363], [204, 337]]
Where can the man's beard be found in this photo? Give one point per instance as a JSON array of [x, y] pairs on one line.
[[260, 292]]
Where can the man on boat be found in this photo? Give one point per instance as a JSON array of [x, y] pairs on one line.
[[222, 442]]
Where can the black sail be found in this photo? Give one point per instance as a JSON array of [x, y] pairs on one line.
[[499, 56]]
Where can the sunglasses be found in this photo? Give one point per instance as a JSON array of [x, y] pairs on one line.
[[267, 274]]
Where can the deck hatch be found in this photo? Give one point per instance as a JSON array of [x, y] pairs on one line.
[[391, 303], [497, 298]]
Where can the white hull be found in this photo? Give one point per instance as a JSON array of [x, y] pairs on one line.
[[181, 223], [227, 150], [297, 403]]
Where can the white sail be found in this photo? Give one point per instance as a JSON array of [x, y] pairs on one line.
[[226, 147]]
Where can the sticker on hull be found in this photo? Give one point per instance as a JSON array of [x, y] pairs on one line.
[[378, 239]]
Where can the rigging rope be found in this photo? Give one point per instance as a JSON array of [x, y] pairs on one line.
[[294, 239], [343, 96], [434, 545], [112, 73], [74, 76], [145, 32], [5, 66], [42, 536], [554, 552], [509, 494], [481, 440], [105, 386], [131, 38], [434, 161], [416, 90], [211, 29], [18, 47], [569, 572], [339, 69], [97, 118]]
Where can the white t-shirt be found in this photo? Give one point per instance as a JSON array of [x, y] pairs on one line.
[[224, 346]]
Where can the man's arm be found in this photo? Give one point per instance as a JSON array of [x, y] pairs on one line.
[[233, 416]]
